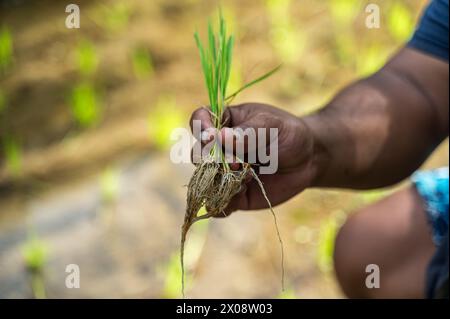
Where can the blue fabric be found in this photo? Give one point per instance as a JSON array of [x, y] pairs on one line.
[[431, 35], [437, 273], [433, 188]]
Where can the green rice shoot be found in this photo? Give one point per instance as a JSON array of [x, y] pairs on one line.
[[213, 184]]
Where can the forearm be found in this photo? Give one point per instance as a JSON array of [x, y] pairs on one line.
[[374, 133]]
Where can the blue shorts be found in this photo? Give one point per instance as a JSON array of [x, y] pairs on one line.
[[433, 188]]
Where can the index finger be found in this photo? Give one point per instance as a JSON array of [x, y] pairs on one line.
[[203, 115]]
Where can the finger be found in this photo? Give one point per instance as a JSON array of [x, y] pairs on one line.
[[246, 138], [226, 116], [201, 122]]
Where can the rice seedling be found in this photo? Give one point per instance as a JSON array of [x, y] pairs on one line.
[[35, 254], [85, 104], [142, 62], [13, 156], [327, 236], [6, 49], [213, 182]]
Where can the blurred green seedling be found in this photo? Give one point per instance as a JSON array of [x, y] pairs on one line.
[[109, 184], [13, 156], [6, 49], [35, 254], [163, 118], [142, 63], [85, 104], [327, 236]]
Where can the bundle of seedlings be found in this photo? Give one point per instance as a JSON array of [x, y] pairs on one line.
[[213, 183]]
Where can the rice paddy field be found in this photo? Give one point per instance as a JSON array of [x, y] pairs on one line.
[[85, 122]]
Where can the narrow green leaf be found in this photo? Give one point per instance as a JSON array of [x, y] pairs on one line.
[[205, 67], [212, 41], [249, 84], [229, 62]]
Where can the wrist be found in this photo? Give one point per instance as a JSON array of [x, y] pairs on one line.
[[319, 154]]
